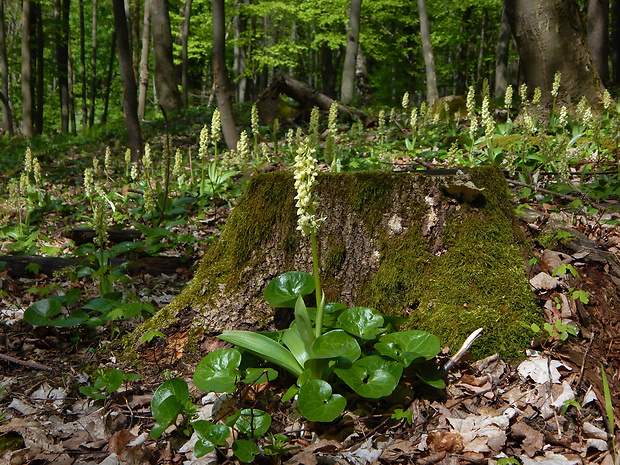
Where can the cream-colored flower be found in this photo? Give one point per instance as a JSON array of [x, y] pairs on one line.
[[203, 143], [556, 84], [216, 125], [405, 102], [305, 173]]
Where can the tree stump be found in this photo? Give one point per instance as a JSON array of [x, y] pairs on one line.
[[442, 250]]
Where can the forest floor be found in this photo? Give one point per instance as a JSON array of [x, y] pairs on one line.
[[545, 407]]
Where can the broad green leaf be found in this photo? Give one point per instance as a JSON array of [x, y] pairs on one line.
[[429, 373], [292, 340], [40, 313], [259, 375], [210, 434], [218, 371], [317, 403], [304, 325], [167, 403], [264, 347], [92, 392], [253, 422], [409, 346], [372, 377], [336, 344], [149, 335], [113, 379], [244, 450], [283, 290], [362, 322]]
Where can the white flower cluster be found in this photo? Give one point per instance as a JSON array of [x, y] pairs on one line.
[[556, 84], [508, 98], [216, 126], [254, 119], [405, 101], [305, 179], [203, 143]]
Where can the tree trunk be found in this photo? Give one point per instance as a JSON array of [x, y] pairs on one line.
[[598, 36], [26, 77], [144, 60], [501, 60], [184, 58], [40, 67], [448, 263], [427, 49], [615, 41], [108, 87], [347, 87], [130, 101], [361, 78], [93, 67], [168, 93], [240, 57], [480, 71], [549, 39], [328, 73], [70, 90], [61, 16], [7, 114], [83, 66], [135, 37], [222, 83]]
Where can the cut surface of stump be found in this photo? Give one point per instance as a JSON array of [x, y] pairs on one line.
[[442, 250]]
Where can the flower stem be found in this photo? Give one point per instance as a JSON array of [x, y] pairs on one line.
[[320, 304]]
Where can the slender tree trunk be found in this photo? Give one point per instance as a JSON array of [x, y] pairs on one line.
[[40, 67], [135, 37], [70, 87], [480, 71], [83, 66], [328, 74], [61, 16], [361, 78], [432, 93], [240, 25], [598, 36], [347, 87], [27, 98], [144, 60], [222, 83], [544, 50], [168, 93], [184, 59], [130, 101], [7, 114], [93, 67], [501, 60], [106, 97]]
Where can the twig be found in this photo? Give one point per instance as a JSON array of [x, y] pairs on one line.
[[459, 354], [585, 356], [17, 361]]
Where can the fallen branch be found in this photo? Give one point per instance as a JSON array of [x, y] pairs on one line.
[[17, 361], [459, 354]]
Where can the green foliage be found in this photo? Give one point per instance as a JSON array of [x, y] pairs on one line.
[[107, 382]]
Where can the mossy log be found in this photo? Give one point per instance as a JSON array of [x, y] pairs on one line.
[[442, 250]]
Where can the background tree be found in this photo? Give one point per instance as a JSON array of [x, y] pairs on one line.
[[598, 36], [432, 93], [165, 73], [7, 114], [61, 16], [545, 50], [26, 78], [348, 69], [130, 102], [220, 71]]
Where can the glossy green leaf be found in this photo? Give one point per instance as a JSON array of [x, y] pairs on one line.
[[336, 344], [113, 379], [218, 371], [167, 403], [283, 290], [372, 377], [41, 312], [429, 373], [253, 422], [292, 340], [245, 451], [210, 435], [362, 322], [264, 347], [409, 346], [317, 403], [259, 375], [304, 325]]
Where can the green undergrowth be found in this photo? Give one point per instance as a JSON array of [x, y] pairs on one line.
[[476, 278]]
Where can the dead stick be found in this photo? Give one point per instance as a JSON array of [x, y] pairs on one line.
[[35, 365], [459, 354]]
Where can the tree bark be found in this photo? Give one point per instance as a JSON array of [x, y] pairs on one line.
[[40, 68], [184, 59], [108, 87], [168, 93], [83, 66], [501, 60], [144, 60], [220, 71], [549, 39], [240, 53], [26, 78], [615, 41], [432, 93], [61, 16], [135, 37], [93, 67], [347, 87], [130, 101], [361, 78], [598, 36], [7, 114]]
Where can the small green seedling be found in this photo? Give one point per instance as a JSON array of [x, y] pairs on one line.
[[570, 403], [106, 383]]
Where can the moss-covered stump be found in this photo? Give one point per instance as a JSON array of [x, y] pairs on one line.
[[443, 250]]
